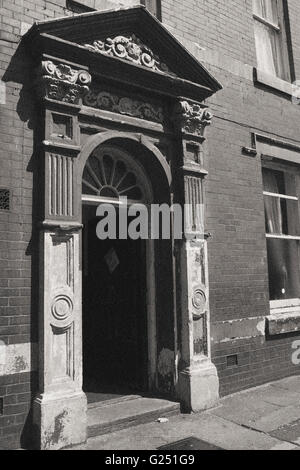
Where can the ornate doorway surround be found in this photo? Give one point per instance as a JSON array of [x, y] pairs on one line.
[[111, 173], [119, 78]]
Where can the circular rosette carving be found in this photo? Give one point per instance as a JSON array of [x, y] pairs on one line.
[[163, 67], [105, 101], [62, 310], [126, 106], [84, 78], [199, 301], [90, 99]]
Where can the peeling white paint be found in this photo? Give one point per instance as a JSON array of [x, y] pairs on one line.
[[17, 358], [261, 326], [280, 323], [25, 27], [239, 329], [2, 92], [226, 340]]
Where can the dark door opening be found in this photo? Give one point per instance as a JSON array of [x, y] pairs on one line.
[[115, 340]]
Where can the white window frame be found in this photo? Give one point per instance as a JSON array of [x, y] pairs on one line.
[[156, 11], [289, 306]]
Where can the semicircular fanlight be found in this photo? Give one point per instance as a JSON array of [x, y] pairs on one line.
[[109, 176]]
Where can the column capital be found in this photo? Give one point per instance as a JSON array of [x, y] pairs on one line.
[[61, 82], [191, 118]]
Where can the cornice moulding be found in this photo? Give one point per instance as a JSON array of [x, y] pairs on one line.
[[65, 35]]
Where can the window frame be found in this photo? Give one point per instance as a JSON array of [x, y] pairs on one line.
[[267, 22], [158, 13], [284, 44], [272, 163], [77, 7]]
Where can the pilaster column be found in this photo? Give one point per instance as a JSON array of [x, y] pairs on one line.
[[60, 406], [198, 380]]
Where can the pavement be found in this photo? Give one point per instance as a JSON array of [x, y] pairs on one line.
[[262, 418]]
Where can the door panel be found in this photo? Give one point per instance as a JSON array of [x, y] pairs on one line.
[[114, 312]]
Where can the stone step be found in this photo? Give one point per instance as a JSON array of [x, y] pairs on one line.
[[113, 415]]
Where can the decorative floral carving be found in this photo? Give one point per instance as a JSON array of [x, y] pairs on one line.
[[124, 105], [129, 48], [63, 83], [192, 118]]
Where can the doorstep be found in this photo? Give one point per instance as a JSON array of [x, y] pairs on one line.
[[113, 415]]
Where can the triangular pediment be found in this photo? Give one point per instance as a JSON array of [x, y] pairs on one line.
[[130, 35]]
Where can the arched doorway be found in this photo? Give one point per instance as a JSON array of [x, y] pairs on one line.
[[116, 280]]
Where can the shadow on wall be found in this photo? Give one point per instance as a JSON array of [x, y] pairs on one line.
[[19, 79]]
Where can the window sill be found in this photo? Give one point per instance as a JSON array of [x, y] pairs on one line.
[[276, 83], [284, 321]]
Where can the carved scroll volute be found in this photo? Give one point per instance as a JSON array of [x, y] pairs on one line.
[[62, 82], [191, 118], [131, 49]]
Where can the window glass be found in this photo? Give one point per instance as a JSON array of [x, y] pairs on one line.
[[282, 211], [283, 266], [268, 50], [267, 9], [269, 38], [153, 6], [281, 216], [273, 181], [283, 230]]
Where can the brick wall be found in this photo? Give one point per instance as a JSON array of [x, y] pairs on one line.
[[223, 32], [16, 427], [18, 240], [220, 25]]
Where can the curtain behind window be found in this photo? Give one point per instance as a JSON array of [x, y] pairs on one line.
[[283, 254], [277, 249], [272, 204], [268, 39]]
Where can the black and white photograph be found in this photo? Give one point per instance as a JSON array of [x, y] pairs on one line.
[[150, 228]]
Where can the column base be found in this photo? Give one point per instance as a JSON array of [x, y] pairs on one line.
[[199, 386], [60, 421]]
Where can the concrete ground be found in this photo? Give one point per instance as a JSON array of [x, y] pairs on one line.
[[263, 418]]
